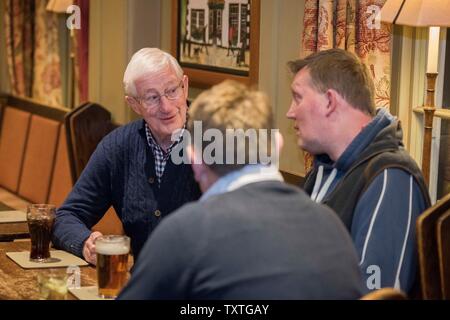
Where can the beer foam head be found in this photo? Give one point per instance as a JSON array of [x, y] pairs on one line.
[[112, 246]]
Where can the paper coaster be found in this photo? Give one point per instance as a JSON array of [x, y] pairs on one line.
[[86, 293], [12, 216], [58, 259]]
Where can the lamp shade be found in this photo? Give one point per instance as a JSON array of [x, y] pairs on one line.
[[58, 6], [417, 13]]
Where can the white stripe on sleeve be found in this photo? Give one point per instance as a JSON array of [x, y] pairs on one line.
[[397, 277], [372, 221]]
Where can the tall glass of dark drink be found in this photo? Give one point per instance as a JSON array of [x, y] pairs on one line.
[[40, 219], [112, 264]]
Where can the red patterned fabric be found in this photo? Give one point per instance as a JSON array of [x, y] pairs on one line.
[[82, 52], [350, 25], [347, 24]]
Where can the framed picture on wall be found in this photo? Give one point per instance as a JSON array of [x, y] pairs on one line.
[[216, 40]]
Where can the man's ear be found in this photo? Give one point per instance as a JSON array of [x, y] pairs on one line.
[[279, 142], [333, 98], [190, 153], [132, 102], [198, 167], [276, 143]]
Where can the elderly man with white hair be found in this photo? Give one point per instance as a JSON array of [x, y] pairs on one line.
[[131, 169]]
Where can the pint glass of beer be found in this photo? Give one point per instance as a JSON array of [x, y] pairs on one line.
[[112, 264], [40, 218]]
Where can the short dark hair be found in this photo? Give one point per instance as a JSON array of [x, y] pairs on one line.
[[342, 71]]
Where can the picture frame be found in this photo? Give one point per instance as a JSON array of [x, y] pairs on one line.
[[216, 40]]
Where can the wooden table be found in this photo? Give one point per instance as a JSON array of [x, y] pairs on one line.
[[12, 231], [21, 284]]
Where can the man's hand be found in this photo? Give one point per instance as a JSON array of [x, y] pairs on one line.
[[89, 253]]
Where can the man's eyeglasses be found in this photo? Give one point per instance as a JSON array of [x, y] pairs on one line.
[[153, 100]]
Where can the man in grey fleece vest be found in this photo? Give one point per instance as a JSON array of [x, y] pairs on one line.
[[251, 236], [361, 169]]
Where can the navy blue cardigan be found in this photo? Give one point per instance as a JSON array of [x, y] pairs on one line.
[[121, 173]]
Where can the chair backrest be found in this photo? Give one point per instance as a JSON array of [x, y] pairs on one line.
[[38, 162], [13, 138], [293, 179], [385, 294], [427, 243], [85, 127], [31, 152], [61, 178], [443, 240]]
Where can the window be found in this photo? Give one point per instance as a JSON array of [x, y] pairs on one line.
[[197, 24], [244, 25], [219, 22], [234, 24], [215, 25]]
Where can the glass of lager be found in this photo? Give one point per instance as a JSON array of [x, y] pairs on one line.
[[40, 218], [112, 264]]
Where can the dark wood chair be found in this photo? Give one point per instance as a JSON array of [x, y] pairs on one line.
[[431, 228], [385, 294], [293, 179], [85, 127], [443, 239]]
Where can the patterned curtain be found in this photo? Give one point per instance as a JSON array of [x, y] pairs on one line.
[[19, 31], [32, 50], [350, 25]]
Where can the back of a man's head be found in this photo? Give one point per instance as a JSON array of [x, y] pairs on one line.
[[342, 71], [240, 115]]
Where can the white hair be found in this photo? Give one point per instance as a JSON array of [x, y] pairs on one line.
[[145, 61]]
